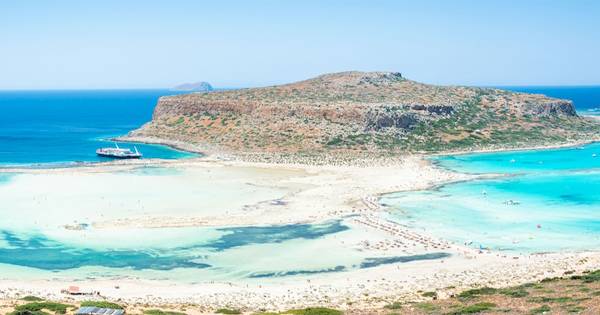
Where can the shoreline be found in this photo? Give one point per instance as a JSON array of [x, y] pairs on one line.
[[211, 153], [174, 144], [521, 149], [326, 191], [355, 290]]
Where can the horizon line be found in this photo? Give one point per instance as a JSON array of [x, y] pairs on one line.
[[250, 87]]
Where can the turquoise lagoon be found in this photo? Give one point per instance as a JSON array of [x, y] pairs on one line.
[[34, 242], [546, 200], [586, 157], [196, 254]]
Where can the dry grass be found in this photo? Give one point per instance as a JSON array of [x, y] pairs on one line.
[[576, 295]]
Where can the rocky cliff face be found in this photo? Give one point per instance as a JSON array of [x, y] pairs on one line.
[[554, 108], [375, 111]]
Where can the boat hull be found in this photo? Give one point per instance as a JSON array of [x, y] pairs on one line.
[[123, 157]]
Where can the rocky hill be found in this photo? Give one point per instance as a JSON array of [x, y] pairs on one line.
[[367, 112]]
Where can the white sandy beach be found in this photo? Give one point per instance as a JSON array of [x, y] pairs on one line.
[[211, 192]]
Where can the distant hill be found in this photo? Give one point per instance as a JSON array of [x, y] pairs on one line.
[[194, 87], [366, 111]]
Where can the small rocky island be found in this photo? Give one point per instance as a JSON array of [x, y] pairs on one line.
[[194, 87], [372, 112]]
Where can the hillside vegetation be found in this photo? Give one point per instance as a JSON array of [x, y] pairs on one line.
[[571, 294], [366, 112]]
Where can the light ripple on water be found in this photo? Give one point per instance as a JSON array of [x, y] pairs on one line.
[[564, 159], [556, 204], [40, 252]]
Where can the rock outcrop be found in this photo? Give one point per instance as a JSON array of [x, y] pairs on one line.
[[373, 111], [194, 87], [554, 108]]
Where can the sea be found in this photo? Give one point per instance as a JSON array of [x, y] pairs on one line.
[[60, 128], [49, 128], [585, 98]]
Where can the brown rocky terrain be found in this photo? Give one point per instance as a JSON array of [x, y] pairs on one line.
[[377, 112]]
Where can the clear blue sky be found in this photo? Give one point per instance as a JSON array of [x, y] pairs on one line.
[[146, 44]]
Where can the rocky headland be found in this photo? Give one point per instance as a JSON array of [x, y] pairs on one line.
[[365, 113]]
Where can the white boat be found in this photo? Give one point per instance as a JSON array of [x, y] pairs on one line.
[[119, 153]]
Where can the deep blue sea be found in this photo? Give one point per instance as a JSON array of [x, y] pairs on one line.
[[585, 98], [57, 127]]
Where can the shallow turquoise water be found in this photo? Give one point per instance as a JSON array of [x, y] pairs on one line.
[[38, 251], [194, 254], [548, 201], [4, 178], [47, 231], [580, 158], [555, 194]]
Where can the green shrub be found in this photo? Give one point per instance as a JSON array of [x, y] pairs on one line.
[[161, 312], [315, 311], [543, 299], [26, 312], [576, 309], [540, 310], [102, 304], [514, 292], [394, 306], [427, 307], [37, 307], [476, 292], [227, 311], [475, 308], [549, 280], [591, 277]]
